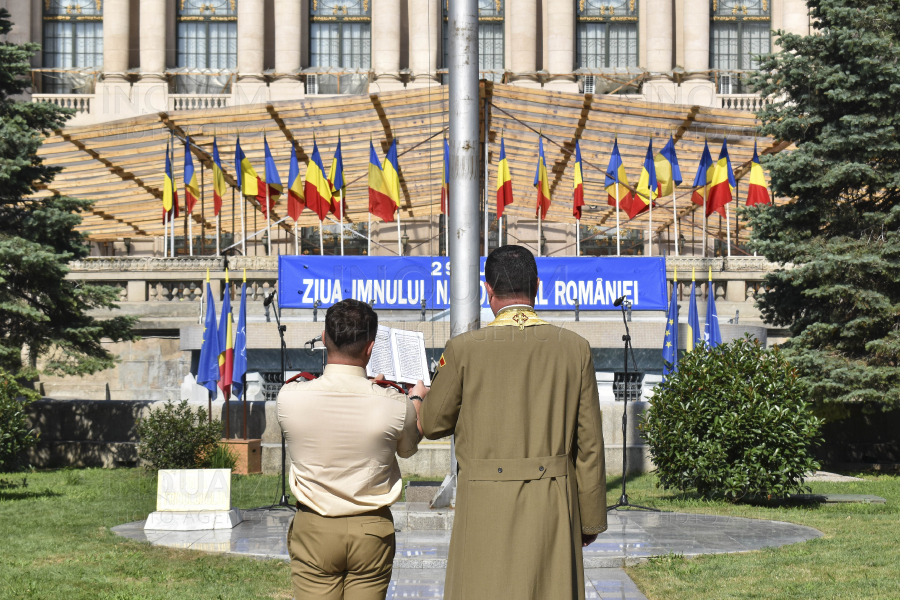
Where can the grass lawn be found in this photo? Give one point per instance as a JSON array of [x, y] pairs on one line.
[[57, 544], [859, 556]]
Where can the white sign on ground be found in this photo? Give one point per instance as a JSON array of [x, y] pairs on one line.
[[193, 489]]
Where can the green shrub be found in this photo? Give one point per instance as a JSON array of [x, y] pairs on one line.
[[732, 422], [220, 457], [177, 437], [15, 435]]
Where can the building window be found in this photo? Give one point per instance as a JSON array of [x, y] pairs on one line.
[[340, 39], [606, 34], [207, 40], [491, 38], [73, 39], [739, 33]]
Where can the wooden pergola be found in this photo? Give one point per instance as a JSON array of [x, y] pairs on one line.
[[119, 165]]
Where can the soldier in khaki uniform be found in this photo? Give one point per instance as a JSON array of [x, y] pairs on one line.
[[343, 433], [521, 397]]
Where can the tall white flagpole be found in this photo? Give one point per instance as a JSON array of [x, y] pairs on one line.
[[243, 227], [341, 212], [165, 234], [705, 200], [399, 245], [321, 242], [540, 222], [650, 227], [191, 233], [728, 228], [618, 235], [296, 240], [218, 232], [172, 236], [577, 237], [268, 222], [369, 237], [675, 218]]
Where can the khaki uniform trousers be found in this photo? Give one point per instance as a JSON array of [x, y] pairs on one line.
[[341, 558]]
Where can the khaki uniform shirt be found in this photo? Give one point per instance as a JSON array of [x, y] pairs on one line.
[[343, 433]]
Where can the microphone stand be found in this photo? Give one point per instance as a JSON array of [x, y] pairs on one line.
[[623, 499], [284, 501]]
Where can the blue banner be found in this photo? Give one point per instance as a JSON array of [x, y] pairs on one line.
[[403, 282]]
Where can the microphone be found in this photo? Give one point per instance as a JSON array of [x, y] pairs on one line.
[[313, 341], [268, 299], [619, 301]]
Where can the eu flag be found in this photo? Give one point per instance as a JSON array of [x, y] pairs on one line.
[[239, 368], [670, 343], [208, 369], [711, 335], [695, 335]]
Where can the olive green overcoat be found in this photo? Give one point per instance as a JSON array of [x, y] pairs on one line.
[[523, 405]]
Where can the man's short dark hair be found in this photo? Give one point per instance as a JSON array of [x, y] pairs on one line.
[[349, 326], [511, 272]]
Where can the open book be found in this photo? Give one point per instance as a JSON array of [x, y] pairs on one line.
[[400, 356]]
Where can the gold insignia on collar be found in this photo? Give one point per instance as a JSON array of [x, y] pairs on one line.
[[517, 317]]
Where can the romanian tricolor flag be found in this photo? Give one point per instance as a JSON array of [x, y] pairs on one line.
[[273, 180], [391, 169], [219, 186], [504, 182], [721, 188], [226, 342], [191, 189], [757, 192], [445, 177], [578, 196], [316, 188], [541, 183], [647, 186], [703, 177], [337, 182], [668, 173], [615, 174], [296, 199], [247, 179], [170, 194], [380, 202]]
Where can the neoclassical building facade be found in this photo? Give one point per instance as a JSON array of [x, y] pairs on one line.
[[118, 58]]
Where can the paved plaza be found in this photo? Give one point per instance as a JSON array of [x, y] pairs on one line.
[[421, 557]]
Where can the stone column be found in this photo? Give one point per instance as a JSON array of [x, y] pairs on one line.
[[522, 15], [288, 44], [796, 17], [250, 87], [424, 37], [659, 43], [698, 89], [560, 41], [116, 31], [151, 92], [386, 44]]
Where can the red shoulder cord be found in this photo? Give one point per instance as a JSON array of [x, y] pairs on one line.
[[383, 383]]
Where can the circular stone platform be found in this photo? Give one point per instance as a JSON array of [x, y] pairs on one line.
[[632, 537]]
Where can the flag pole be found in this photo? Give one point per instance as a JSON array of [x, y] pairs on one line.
[[399, 245], [618, 235], [728, 228], [218, 232], [675, 219], [650, 225], [540, 223], [296, 240], [165, 233], [268, 222], [369, 237], [341, 213], [577, 237], [705, 200], [321, 242], [243, 226], [191, 233]]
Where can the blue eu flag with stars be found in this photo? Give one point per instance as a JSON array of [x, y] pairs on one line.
[[208, 369], [240, 347], [670, 343], [711, 334]]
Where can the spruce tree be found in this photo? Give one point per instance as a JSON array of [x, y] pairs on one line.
[[836, 95], [43, 315]]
